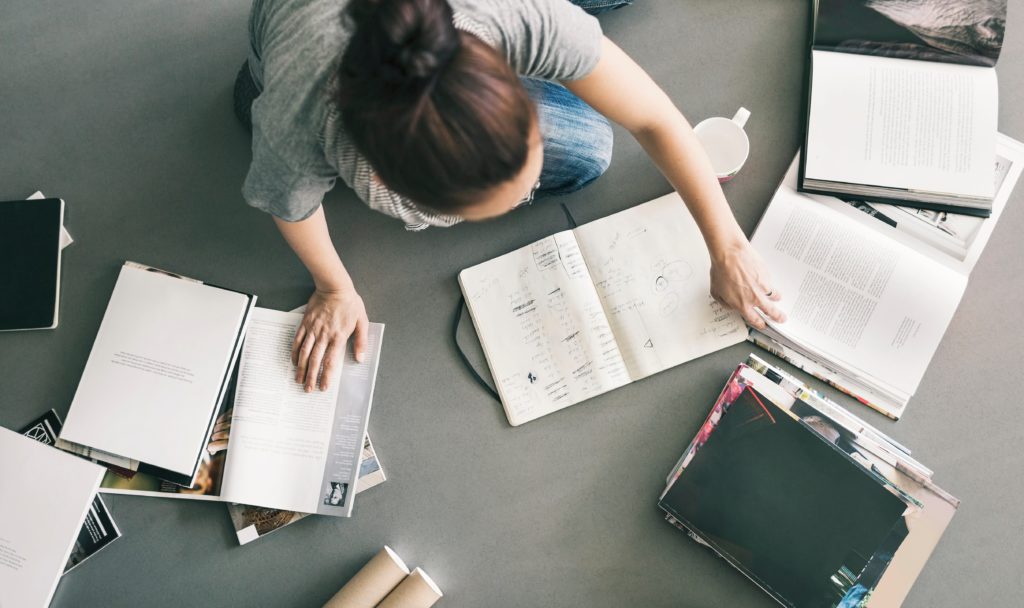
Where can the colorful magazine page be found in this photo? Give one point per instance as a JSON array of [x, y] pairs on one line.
[[252, 523], [99, 528], [783, 505]]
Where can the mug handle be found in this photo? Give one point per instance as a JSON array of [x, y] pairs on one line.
[[741, 117]]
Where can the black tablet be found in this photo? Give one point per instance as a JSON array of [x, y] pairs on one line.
[[30, 263]]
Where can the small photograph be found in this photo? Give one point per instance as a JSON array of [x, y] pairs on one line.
[[953, 31], [336, 496]]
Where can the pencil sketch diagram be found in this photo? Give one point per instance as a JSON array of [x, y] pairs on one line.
[[668, 278]]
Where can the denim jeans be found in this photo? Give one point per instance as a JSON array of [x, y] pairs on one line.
[[577, 139]]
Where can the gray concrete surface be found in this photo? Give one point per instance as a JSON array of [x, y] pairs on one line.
[[123, 109]]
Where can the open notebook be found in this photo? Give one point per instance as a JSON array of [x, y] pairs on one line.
[[588, 310]]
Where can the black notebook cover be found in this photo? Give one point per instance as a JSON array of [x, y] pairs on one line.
[[29, 263]]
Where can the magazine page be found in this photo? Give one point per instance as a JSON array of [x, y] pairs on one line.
[[252, 523], [652, 273], [542, 327], [861, 300], [290, 449], [952, 31]]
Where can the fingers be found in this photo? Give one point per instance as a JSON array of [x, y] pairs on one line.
[[764, 283], [300, 334], [774, 312], [359, 338], [315, 359], [753, 319], [302, 361], [330, 363]]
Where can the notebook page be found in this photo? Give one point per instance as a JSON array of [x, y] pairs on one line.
[[651, 269], [542, 327]]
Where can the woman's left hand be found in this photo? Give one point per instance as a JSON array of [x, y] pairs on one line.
[[740, 280]]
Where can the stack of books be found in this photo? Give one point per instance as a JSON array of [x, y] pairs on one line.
[[809, 502]]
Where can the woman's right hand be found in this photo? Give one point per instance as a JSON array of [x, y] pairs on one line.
[[332, 316]]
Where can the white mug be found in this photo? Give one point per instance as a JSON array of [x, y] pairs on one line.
[[725, 142]]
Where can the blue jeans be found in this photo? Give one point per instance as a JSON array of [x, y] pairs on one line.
[[577, 139]]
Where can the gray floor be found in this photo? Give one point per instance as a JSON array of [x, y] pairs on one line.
[[122, 109]]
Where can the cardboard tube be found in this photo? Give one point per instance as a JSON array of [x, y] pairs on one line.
[[372, 583], [416, 591]]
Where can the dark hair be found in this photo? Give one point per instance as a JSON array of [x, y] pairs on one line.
[[439, 114]]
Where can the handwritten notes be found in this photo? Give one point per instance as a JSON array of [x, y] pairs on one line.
[[652, 273], [586, 311], [551, 345]]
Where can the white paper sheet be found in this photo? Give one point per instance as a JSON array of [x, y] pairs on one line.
[[46, 495], [652, 271]]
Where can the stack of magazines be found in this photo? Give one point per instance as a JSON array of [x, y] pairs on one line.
[[810, 503]]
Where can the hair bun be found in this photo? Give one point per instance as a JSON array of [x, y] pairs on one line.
[[404, 41]]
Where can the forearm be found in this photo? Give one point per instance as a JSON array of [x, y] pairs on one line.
[[651, 117], [677, 152], [311, 242]]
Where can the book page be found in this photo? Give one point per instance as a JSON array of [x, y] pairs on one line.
[[156, 369], [542, 327], [859, 298], [651, 269], [900, 123]]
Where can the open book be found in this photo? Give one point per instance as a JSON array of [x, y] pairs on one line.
[[588, 310], [838, 515], [158, 370], [904, 101], [869, 297]]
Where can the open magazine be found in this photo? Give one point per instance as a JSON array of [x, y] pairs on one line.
[[869, 289], [903, 101], [839, 514]]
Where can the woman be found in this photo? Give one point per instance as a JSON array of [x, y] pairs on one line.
[[441, 111]]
